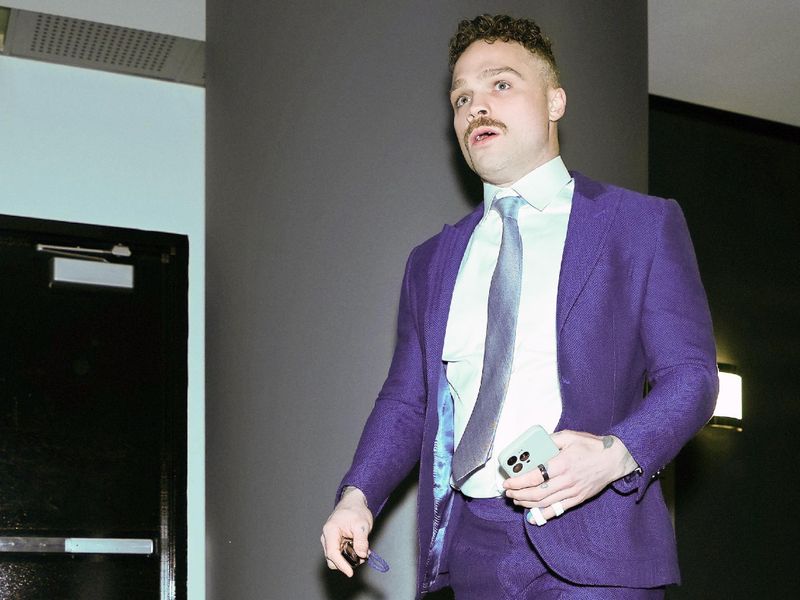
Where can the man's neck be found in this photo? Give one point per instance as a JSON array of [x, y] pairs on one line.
[[505, 182]]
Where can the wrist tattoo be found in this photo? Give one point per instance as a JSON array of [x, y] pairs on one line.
[[608, 441]]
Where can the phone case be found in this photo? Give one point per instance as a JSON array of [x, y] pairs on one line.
[[531, 449]]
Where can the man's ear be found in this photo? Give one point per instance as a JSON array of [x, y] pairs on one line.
[[556, 103]]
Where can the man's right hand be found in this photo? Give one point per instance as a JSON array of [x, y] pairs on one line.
[[351, 519]]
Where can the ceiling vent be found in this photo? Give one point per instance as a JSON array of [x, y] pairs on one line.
[[92, 45]]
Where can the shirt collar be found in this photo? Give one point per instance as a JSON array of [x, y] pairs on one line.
[[537, 188]]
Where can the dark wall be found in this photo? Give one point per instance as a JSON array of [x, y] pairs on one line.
[[330, 155], [738, 181]]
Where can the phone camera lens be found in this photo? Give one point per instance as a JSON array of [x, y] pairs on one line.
[[524, 456], [511, 460], [517, 468]]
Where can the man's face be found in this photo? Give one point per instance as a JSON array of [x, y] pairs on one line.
[[505, 111]]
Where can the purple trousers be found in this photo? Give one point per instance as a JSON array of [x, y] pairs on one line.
[[491, 557]]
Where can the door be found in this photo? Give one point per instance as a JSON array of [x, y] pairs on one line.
[[93, 334]]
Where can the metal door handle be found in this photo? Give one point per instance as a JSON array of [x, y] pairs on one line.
[[77, 545]]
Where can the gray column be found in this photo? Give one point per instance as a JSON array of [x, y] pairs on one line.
[[330, 155]]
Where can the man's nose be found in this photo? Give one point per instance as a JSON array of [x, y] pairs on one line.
[[478, 108], [481, 112]]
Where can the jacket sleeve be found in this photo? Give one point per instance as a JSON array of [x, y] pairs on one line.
[[392, 437], [678, 342]]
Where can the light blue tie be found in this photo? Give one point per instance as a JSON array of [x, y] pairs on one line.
[[476, 443]]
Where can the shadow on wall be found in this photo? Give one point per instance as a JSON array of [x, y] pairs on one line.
[[339, 587], [468, 182]]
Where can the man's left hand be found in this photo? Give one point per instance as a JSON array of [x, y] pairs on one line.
[[585, 465]]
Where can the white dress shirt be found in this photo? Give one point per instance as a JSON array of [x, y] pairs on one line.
[[533, 396]]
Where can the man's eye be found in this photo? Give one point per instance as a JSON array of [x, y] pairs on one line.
[[460, 101], [502, 85]]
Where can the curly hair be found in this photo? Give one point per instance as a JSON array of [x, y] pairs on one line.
[[506, 29]]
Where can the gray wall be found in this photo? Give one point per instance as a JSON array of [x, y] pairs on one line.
[[330, 155]]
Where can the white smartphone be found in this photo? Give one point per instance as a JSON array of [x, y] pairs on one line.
[[531, 449]]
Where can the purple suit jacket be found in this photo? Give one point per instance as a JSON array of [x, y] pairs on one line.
[[630, 308]]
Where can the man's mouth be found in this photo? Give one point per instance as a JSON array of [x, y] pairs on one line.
[[482, 136], [483, 130]]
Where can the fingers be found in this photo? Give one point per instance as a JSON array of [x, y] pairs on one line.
[[529, 480], [535, 478], [581, 470], [350, 521], [532, 485], [540, 516], [558, 508], [542, 494], [537, 493], [333, 539], [361, 541], [331, 544], [531, 499]]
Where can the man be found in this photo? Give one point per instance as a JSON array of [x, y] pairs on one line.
[[552, 304]]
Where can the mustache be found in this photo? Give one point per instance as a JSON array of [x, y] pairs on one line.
[[483, 122]]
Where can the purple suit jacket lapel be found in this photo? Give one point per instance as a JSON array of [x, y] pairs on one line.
[[446, 263], [589, 222]]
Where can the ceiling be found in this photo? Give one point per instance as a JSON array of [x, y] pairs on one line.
[[736, 55], [182, 18], [741, 56]]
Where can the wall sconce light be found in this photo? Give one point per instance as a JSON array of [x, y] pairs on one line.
[[728, 413]]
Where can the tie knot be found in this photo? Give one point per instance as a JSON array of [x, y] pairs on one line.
[[508, 206]]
